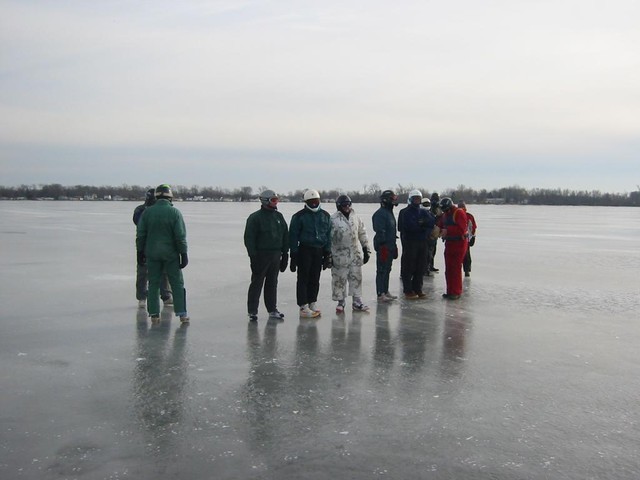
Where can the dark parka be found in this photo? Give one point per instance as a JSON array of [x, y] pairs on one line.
[[384, 224], [415, 222], [269, 226], [312, 229]]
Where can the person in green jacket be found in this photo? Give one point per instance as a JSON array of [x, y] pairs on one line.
[[266, 238], [141, 270], [310, 244], [161, 243]]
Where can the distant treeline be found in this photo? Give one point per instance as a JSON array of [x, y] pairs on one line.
[[368, 194]]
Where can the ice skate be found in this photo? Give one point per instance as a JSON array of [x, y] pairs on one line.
[[306, 312], [359, 307], [450, 296], [384, 298], [276, 314]]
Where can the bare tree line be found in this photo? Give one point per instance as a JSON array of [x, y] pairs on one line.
[[368, 194]]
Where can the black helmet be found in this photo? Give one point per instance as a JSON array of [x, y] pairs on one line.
[[388, 198], [445, 204], [266, 196], [164, 191], [150, 197], [343, 201]]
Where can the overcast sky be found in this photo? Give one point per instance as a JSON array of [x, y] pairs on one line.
[[294, 94]]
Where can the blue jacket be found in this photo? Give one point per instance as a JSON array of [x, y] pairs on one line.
[[384, 224], [415, 223]]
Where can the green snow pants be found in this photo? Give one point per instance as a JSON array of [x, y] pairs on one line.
[[155, 270]]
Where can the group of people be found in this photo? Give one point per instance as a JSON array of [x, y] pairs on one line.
[[317, 240], [314, 241]]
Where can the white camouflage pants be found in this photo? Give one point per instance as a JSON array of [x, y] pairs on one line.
[[343, 275]]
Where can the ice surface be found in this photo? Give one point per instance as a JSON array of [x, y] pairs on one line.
[[533, 374]]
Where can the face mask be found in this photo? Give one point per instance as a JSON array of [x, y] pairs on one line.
[[313, 205]]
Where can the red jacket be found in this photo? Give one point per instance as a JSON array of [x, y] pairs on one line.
[[455, 222]]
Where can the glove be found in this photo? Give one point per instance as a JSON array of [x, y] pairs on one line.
[[142, 259], [184, 260], [384, 253], [327, 260], [395, 253], [284, 260], [365, 256], [293, 263], [472, 241]]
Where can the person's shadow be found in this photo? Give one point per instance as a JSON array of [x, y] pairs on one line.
[[159, 380]]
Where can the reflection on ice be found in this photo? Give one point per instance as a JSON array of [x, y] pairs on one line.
[[160, 376]]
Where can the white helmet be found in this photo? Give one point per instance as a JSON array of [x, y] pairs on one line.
[[415, 193], [311, 194]]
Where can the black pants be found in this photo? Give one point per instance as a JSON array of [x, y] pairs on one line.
[[309, 268], [265, 267], [432, 245], [466, 263], [412, 265]]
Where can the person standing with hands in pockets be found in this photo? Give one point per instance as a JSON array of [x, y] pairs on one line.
[[266, 238], [415, 230]]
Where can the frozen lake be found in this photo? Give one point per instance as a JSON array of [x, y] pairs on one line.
[[533, 374]]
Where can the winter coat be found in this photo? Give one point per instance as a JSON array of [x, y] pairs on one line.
[[312, 229], [415, 223], [455, 221], [137, 213], [384, 224], [347, 235], [161, 233], [266, 230]]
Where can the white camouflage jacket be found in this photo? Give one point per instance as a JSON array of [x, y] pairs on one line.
[[347, 235]]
